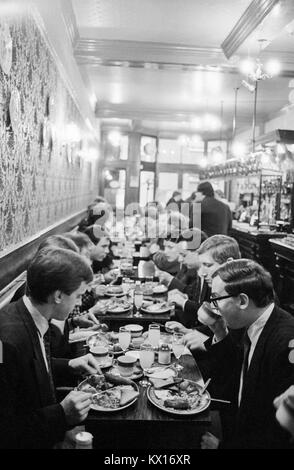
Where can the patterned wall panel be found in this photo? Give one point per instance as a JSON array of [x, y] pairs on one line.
[[43, 178]]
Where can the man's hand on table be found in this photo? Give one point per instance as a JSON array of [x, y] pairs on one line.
[[175, 326], [85, 364], [209, 441], [87, 320], [178, 298], [76, 406]]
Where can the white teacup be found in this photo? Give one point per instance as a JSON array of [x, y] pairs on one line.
[[101, 355], [126, 365]]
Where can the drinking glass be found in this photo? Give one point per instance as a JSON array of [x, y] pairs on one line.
[[154, 334], [178, 348], [146, 361], [138, 300], [124, 338]]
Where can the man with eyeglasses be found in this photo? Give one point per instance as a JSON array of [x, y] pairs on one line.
[[252, 372]]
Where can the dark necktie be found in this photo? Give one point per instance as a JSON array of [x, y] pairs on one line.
[[246, 348], [46, 340]]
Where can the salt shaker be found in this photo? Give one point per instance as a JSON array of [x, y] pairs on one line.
[[84, 440], [164, 354]]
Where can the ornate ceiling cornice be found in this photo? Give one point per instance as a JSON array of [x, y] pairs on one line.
[[249, 21], [70, 21], [88, 50]]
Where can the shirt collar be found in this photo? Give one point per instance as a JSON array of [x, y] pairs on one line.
[[260, 322], [40, 321]]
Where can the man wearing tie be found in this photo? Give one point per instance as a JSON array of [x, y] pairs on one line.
[[249, 368], [30, 416]]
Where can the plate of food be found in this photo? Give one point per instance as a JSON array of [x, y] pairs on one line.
[[159, 289], [118, 306], [184, 398], [155, 307], [114, 291], [110, 393], [81, 335]]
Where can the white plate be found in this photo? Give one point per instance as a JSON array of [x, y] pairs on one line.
[[150, 310], [111, 294], [203, 404], [118, 309], [161, 289], [81, 335], [161, 373]]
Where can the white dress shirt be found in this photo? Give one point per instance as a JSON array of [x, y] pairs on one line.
[[254, 331], [41, 323]]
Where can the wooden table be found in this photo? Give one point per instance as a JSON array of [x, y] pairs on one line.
[[143, 426], [115, 320]]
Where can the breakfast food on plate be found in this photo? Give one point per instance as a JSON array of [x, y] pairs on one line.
[[115, 397], [127, 395], [117, 379], [118, 305], [181, 396], [109, 391], [156, 307], [115, 290]]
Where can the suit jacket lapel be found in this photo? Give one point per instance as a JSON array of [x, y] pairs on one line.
[[256, 361], [41, 372]]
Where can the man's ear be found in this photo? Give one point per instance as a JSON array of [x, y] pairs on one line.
[[57, 297], [244, 301]]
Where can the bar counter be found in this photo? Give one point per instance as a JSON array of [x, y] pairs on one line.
[[254, 244], [284, 263]]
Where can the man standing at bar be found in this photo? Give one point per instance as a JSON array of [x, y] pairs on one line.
[[216, 217], [30, 416]]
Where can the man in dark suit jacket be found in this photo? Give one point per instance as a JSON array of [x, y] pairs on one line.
[[30, 417], [212, 252], [253, 371], [216, 217]]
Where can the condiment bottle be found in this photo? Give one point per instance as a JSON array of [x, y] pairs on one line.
[[164, 354], [84, 440]]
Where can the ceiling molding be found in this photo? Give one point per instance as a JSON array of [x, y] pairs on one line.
[[249, 21], [110, 111], [70, 21], [87, 49]]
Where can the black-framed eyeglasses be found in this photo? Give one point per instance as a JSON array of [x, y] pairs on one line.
[[213, 299]]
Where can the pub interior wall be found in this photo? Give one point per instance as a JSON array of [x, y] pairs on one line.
[[43, 177]]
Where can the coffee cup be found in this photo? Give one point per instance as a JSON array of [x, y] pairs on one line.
[[101, 355], [126, 365]]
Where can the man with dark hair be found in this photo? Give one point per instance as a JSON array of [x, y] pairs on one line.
[[216, 217], [253, 371], [30, 417]]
